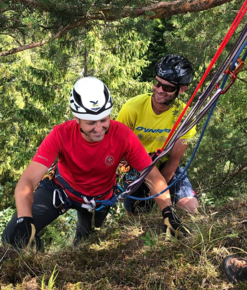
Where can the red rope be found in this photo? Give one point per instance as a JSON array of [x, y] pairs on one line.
[[233, 27]]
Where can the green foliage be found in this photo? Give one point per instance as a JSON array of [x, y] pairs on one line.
[[160, 34], [51, 281], [61, 232], [117, 61], [32, 105], [5, 216], [149, 239]]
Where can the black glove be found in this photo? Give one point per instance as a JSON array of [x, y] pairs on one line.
[[172, 223], [24, 233]]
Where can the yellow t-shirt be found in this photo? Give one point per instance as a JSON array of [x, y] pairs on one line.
[[151, 129]]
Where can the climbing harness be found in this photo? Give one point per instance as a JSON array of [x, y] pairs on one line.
[[61, 200], [89, 201]]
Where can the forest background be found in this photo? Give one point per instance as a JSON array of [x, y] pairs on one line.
[[45, 47]]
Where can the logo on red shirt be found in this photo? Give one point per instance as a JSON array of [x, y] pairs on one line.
[[109, 161]]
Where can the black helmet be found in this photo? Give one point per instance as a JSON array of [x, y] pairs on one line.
[[175, 69]]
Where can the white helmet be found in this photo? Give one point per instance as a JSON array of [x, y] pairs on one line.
[[90, 99]]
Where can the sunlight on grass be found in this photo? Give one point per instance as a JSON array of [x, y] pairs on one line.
[[134, 253]]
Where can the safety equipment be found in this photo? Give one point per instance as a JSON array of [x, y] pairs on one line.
[[90, 99], [235, 268], [175, 69], [173, 224], [24, 233], [165, 87]]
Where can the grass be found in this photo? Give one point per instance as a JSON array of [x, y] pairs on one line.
[[134, 254]]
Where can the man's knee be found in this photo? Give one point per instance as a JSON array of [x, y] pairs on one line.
[[100, 216], [189, 204]]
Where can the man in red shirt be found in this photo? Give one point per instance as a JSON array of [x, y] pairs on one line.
[[89, 149]]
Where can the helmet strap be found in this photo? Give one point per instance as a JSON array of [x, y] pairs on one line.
[[83, 131], [107, 129]]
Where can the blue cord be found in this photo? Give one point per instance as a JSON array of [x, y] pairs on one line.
[[237, 55], [112, 201], [188, 164], [115, 198]]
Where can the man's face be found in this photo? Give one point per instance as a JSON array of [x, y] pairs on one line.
[[94, 131], [160, 96]]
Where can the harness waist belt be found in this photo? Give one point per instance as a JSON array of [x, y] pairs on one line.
[[65, 185]]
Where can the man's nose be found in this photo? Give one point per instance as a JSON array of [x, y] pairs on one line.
[[159, 89], [98, 127]]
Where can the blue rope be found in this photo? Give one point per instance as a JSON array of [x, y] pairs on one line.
[[237, 55], [188, 164], [110, 202], [113, 200]]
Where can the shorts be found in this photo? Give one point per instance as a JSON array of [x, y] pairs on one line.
[[182, 188]]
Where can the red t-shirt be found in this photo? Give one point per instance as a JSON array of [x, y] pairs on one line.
[[90, 167]]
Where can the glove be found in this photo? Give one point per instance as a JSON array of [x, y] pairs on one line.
[[172, 223], [24, 233]]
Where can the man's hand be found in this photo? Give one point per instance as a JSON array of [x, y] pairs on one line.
[[172, 223], [24, 233]]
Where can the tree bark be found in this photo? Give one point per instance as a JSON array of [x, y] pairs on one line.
[[160, 10]]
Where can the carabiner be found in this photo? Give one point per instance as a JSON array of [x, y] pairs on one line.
[[54, 198], [230, 84]]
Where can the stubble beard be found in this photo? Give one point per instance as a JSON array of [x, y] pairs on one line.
[[166, 103]]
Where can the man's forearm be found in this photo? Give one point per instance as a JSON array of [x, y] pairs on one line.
[[169, 170], [25, 188], [24, 198], [156, 184]]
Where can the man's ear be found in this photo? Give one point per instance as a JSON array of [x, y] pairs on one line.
[[77, 120], [182, 89]]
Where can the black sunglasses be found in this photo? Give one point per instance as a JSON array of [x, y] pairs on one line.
[[165, 88]]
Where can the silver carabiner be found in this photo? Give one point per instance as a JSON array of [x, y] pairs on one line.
[[55, 192]]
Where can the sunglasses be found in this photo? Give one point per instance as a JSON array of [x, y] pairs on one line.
[[165, 88]]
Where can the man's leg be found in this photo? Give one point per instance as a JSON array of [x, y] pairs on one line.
[[189, 204], [43, 214], [182, 193], [85, 222], [134, 206], [83, 226]]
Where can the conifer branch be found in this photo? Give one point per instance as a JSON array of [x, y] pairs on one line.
[[35, 44], [158, 10]]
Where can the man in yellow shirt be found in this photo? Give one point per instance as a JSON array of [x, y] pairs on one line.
[[151, 117]]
